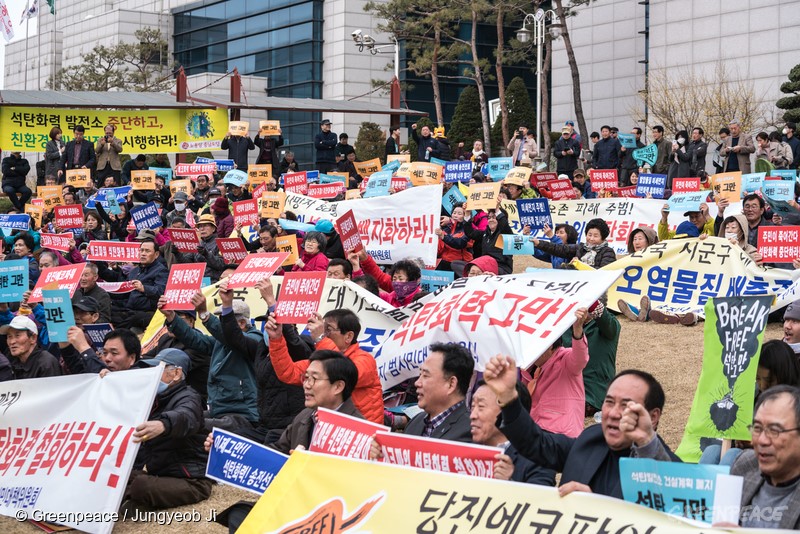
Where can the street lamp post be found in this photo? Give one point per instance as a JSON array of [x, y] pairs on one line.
[[537, 22], [367, 42]]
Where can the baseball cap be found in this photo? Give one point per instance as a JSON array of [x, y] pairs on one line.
[[687, 229], [686, 213], [324, 226], [87, 304], [180, 196], [170, 357], [240, 307], [325, 121], [792, 311], [214, 191], [20, 322]]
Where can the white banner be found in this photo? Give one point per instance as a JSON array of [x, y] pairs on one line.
[[393, 228], [65, 445], [517, 315], [6, 25]]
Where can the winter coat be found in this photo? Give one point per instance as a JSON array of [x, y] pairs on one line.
[[108, 153], [602, 337], [225, 225], [238, 148], [313, 262], [422, 147], [649, 234], [749, 249], [14, 171], [153, 277], [488, 240], [385, 284], [606, 154], [566, 163], [268, 150], [455, 244], [325, 143], [605, 255]]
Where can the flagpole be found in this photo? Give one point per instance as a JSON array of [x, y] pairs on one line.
[[53, 45], [39, 46], [27, 37]]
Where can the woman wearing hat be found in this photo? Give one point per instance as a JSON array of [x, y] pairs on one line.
[[222, 215]]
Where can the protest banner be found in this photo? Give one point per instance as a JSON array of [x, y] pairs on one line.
[[538, 178], [58, 313], [701, 492], [97, 334], [625, 192], [367, 168], [36, 213], [432, 280], [299, 297], [235, 177], [422, 173], [112, 203], [238, 128], [378, 184], [452, 197], [510, 207], [779, 244], [402, 158], [518, 175], [146, 216], [723, 401], [295, 182], [184, 186], [222, 165], [78, 422], [79, 178], [780, 190], [195, 169], [182, 283], [728, 186], [685, 185], [437, 161], [258, 174], [268, 127], [245, 212], [497, 168], [437, 455], [400, 184], [272, 204], [334, 177], [348, 231], [288, 224], [404, 170], [647, 154], [242, 463], [651, 184], [485, 311], [340, 434], [256, 267], [14, 276], [516, 244], [117, 288], [752, 182], [184, 239], [143, 180], [164, 173], [627, 140], [458, 171], [288, 244], [685, 202], [483, 196], [101, 197], [69, 216], [534, 212], [561, 189], [51, 195], [58, 242], [325, 191], [789, 175], [603, 179], [232, 249], [116, 251]]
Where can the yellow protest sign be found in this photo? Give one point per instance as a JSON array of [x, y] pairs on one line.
[[352, 194], [425, 173], [518, 176], [402, 158], [141, 131], [180, 185], [510, 207], [288, 243], [269, 127], [342, 174], [51, 196], [258, 174], [404, 170], [143, 180], [728, 185], [423, 500], [240, 128], [79, 177], [464, 188], [368, 168], [483, 196], [36, 213], [272, 204]]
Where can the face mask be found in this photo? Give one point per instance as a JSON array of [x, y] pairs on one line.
[[729, 235], [681, 140], [162, 387], [180, 206], [404, 289], [785, 131]]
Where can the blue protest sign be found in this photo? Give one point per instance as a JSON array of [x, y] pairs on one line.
[[97, 334], [686, 490], [206, 282], [437, 161], [627, 140], [163, 172], [654, 184], [146, 216], [13, 280], [111, 202], [778, 190], [433, 280], [497, 168], [517, 244], [392, 165], [534, 212], [458, 171], [235, 177], [58, 313], [242, 463], [647, 154], [286, 224], [101, 196], [452, 197], [312, 176], [222, 164], [780, 206], [785, 174], [18, 221], [378, 184], [683, 202], [753, 182], [331, 178]]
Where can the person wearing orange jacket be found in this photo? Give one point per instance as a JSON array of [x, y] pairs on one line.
[[454, 243]]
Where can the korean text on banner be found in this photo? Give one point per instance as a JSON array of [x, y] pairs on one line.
[[239, 128], [82, 410], [79, 177], [242, 463], [245, 212], [752, 182], [185, 239], [728, 186], [36, 213], [52, 195], [497, 168], [59, 242], [437, 455], [651, 184], [343, 435], [458, 171], [647, 154], [518, 176], [402, 158], [58, 313], [144, 180], [422, 173], [112, 203], [116, 251], [69, 216], [603, 179], [723, 401], [326, 191], [379, 184], [534, 212], [299, 296], [268, 127], [433, 280], [561, 189], [146, 216], [781, 190], [288, 244], [368, 168], [195, 169], [232, 249], [516, 244], [538, 178], [183, 282], [258, 174], [272, 203], [235, 177], [496, 315], [685, 185], [67, 277], [348, 231], [101, 197], [295, 182], [97, 334], [483, 196], [452, 197], [256, 267], [779, 244], [180, 186], [13, 279], [627, 140], [683, 202]]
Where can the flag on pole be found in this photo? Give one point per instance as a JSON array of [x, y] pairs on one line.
[[5, 22], [52, 4], [30, 12]]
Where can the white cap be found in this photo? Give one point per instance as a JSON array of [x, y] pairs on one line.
[[563, 177], [20, 322]]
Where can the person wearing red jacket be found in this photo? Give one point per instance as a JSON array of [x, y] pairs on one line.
[[454, 243], [399, 286], [338, 330], [313, 257]]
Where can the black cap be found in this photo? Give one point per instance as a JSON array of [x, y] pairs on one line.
[[87, 304], [214, 191], [141, 157], [190, 313], [325, 121], [78, 128]]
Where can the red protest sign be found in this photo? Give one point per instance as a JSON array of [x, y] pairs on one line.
[[323, 191], [58, 242], [437, 455], [399, 183], [116, 287], [69, 216], [184, 281], [343, 435], [625, 192], [117, 251], [67, 277], [256, 267], [542, 177], [195, 169], [779, 244], [295, 182], [232, 249], [245, 212], [185, 239], [561, 189], [685, 185], [300, 296], [603, 179], [348, 230]]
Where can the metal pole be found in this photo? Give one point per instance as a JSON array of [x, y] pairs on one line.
[[27, 38], [53, 64], [539, 34], [396, 59], [39, 47]]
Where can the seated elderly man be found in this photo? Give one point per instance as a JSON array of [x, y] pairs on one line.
[[121, 350], [27, 358]]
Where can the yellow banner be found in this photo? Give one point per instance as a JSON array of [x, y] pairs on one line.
[[402, 158], [51, 195], [180, 185], [288, 243], [272, 204], [368, 168], [141, 131], [269, 127], [315, 493], [36, 213], [258, 174], [143, 180], [79, 177]]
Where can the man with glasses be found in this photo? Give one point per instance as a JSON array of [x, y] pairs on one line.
[[771, 470], [566, 150], [753, 207]]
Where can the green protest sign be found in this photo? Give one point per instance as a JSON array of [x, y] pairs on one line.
[[647, 154], [723, 402]]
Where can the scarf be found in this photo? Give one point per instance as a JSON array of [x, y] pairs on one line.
[[591, 253], [403, 289]]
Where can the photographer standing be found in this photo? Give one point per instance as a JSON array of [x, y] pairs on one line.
[[108, 150], [521, 145]]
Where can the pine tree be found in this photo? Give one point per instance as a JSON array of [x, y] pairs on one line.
[[520, 111], [466, 125], [371, 142], [412, 146], [791, 103]]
